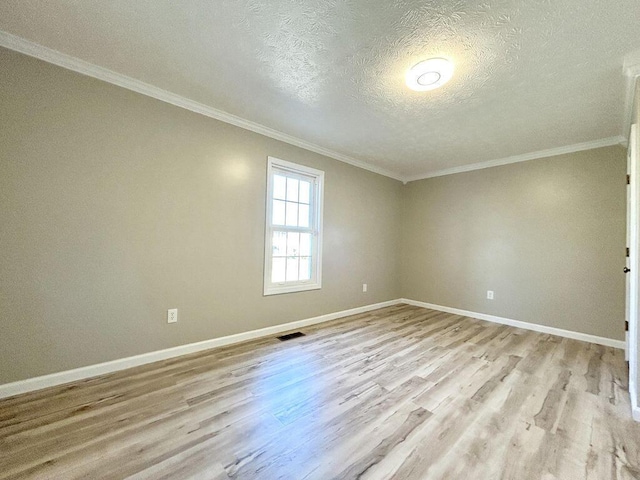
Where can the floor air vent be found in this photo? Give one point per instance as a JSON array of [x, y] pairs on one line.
[[290, 336]]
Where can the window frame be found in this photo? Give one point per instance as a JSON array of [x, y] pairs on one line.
[[315, 227]]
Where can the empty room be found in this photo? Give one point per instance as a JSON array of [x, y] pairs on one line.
[[338, 239]]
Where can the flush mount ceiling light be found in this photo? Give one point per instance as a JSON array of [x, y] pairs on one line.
[[429, 74]]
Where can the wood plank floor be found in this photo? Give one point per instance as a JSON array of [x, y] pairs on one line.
[[398, 393]]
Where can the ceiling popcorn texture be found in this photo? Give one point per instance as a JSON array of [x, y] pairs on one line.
[[529, 76]]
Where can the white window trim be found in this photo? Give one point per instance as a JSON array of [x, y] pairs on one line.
[[314, 283]]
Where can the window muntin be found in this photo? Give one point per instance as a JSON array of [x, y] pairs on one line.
[[293, 243]]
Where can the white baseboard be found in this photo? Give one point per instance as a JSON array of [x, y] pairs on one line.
[[37, 383], [585, 337], [633, 393]]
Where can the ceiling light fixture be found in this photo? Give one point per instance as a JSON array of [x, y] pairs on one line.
[[429, 74]]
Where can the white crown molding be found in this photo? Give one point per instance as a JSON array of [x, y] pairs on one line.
[[632, 70], [585, 337], [67, 376], [27, 47], [551, 152], [63, 60], [631, 74]]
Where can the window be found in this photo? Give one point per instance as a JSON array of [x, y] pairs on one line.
[[293, 244]]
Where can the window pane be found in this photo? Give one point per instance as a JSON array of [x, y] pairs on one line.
[[305, 244], [305, 268], [292, 269], [292, 189], [278, 212], [303, 211], [293, 244], [305, 188], [279, 187], [279, 244], [277, 270], [292, 214]]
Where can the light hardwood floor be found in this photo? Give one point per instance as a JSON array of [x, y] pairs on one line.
[[399, 393]]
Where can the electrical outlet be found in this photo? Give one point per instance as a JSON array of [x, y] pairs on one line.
[[364, 287], [172, 315], [490, 294]]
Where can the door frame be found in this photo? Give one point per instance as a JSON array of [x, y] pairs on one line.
[[633, 264]]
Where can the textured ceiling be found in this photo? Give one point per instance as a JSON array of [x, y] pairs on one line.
[[530, 75]]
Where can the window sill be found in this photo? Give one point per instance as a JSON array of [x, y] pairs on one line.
[[277, 290]]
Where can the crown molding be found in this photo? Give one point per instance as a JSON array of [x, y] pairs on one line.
[[27, 47], [551, 152], [631, 74], [632, 70]]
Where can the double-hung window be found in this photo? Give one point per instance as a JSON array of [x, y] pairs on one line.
[[293, 244]]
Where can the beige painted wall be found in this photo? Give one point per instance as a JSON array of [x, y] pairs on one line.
[[547, 236], [115, 207]]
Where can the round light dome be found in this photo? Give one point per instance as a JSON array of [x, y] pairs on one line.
[[429, 74]]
